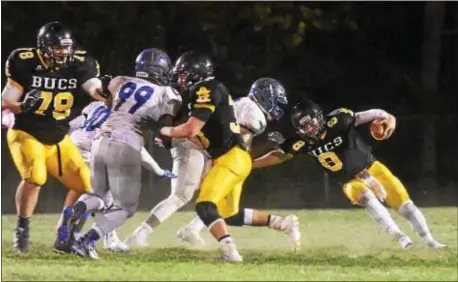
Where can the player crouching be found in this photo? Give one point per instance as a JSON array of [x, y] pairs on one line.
[[337, 147]]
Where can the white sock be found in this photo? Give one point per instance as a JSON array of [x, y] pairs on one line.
[[380, 214], [196, 224], [248, 216], [143, 231], [416, 219], [228, 245]]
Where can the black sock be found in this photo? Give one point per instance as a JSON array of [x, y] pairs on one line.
[[23, 222]]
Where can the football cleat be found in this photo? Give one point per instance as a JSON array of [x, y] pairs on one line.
[[135, 240], [21, 240], [63, 243], [112, 243], [435, 245], [405, 242], [186, 234], [292, 231], [83, 247], [230, 253]]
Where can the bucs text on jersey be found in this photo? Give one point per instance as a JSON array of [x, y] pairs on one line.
[[212, 103], [340, 150], [60, 90]]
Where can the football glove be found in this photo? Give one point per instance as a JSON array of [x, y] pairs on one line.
[[168, 174], [32, 101]]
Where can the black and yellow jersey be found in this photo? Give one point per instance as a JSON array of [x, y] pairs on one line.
[[340, 150], [60, 90], [211, 102]]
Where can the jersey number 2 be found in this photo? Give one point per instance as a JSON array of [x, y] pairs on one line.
[[141, 95]]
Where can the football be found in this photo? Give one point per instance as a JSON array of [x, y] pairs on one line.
[[377, 130]]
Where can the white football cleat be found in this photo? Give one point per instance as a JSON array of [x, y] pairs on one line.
[[435, 245], [135, 240], [292, 230], [112, 243], [232, 257], [230, 253], [190, 236], [405, 242]]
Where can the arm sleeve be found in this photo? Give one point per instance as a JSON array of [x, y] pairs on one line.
[[250, 116], [171, 102], [149, 163], [294, 146], [89, 69], [205, 101], [14, 70], [369, 116], [345, 117]]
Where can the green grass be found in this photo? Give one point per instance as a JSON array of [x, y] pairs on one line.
[[337, 245]]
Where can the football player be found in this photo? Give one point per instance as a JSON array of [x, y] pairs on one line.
[[139, 102], [44, 84], [336, 146], [84, 129], [212, 121], [262, 105]]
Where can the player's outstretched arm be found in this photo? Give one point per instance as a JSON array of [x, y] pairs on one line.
[[149, 163], [379, 116], [270, 159], [189, 129]]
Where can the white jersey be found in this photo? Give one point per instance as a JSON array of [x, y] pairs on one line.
[[249, 115], [94, 116], [137, 102]]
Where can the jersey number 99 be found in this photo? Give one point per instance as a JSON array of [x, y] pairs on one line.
[[141, 96]]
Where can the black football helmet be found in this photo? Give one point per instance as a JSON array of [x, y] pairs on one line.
[[190, 68], [270, 95], [56, 44], [153, 64], [308, 120]]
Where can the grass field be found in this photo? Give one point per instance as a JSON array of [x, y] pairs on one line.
[[337, 245]]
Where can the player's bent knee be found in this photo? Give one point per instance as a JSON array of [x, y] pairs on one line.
[[33, 183], [237, 219], [130, 208], [207, 212], [354, 192]]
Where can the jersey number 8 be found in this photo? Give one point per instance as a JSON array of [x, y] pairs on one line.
[[141, 95], [330, 161], [63, 103]]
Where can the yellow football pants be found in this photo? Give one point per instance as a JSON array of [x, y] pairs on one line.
[[223, 183], [33, 160], [396, 192]]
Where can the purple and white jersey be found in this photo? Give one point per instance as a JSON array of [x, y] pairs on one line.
[[86, 126], [137, 102], [249, 115]]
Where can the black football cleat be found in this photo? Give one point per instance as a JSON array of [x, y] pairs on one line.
[[21, 240]]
